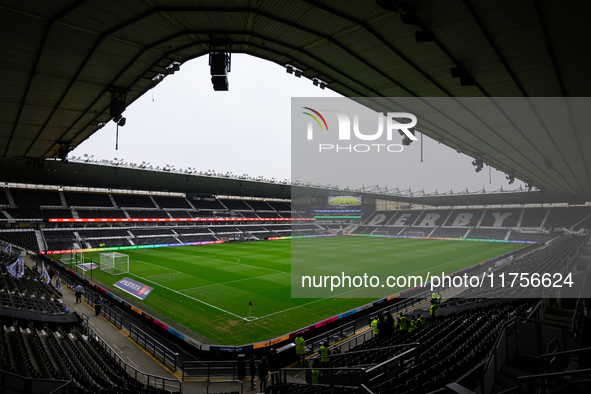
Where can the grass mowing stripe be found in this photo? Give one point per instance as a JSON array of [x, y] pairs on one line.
[[218, 281], [193, 298], [232, 281], [231, 262]]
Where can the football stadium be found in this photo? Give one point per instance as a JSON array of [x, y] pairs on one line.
[[120, 277]]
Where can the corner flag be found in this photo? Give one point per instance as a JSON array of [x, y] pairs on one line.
[[250, 303]]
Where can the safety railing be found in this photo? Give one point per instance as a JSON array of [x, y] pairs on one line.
[[342, 376], [543, 383], [347, 330], [214, 369], [150, 380], [153, 346], [112, 314]]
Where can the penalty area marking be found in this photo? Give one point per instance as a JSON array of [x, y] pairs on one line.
[[250, 318], [192, 298], [159, 266], [232, 281]]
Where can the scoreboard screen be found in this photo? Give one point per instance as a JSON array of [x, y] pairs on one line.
[[344, 201]]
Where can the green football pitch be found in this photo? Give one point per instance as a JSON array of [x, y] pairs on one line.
[[346, 200], [207, 289]]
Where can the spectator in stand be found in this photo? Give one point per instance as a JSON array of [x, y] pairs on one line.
[[300, 345], [79, 290], [325, 359], [374, 326], [420, 321], [98, 304], [433, 311], [315, 373], [273, 366], [403, 323], [253, 370], [263, 372], [435, 298], [413, 324]]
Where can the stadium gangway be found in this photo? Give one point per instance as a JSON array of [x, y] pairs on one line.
[[111, 314], [156, 348], [173, 385], [226, 382], [232, 369], [107, 311]]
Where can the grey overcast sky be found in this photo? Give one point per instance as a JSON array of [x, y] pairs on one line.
[[183, 122]]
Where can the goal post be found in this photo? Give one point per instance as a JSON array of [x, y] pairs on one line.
[[420, 234], [73, 258], [114, 263]]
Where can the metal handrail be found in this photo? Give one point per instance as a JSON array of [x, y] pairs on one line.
[[365, 389], [552, 374], [175, 384], [227, 368], [368, 350], [566, 352], [369, 370], [168, 356]]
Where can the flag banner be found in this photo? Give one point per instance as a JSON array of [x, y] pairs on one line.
[[12, 269], [133, 287], [58, 285], [20, 268], [8, 249], [44, 274]]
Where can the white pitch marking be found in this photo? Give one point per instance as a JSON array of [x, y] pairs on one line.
[[192, 298], [160, 266], [225, 261], [232, 281]]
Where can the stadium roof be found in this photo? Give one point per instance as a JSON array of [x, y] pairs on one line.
[[63, 60]]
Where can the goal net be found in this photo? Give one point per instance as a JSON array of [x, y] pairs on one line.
[[114, 263], [414, 234], [73, 258]]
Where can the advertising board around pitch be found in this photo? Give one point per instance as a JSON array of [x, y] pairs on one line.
[[133, 287]]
